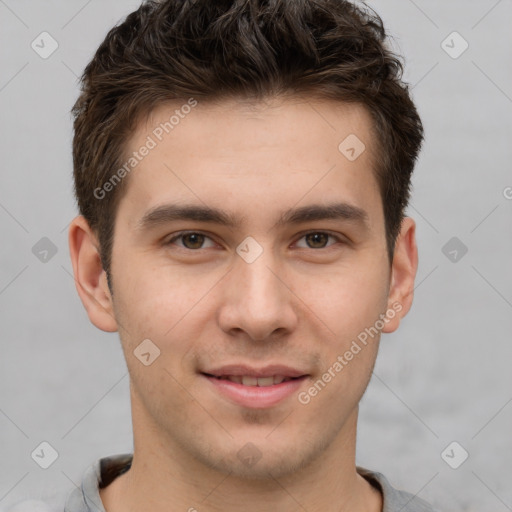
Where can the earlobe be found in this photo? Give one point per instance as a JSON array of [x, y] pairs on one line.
[[90, 278], [403, 273]]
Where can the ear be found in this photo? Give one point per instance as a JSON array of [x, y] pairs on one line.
[[90, 278], [403, 272]]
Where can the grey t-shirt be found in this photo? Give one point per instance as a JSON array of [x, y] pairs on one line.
[[87, 498]]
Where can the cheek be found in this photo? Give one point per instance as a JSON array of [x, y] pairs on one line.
[[166, 308], [347, 300], [349, 303], [154, 300], [172, 309], [350, 308]]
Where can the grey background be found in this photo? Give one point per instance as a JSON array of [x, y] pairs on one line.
[[444, 376]]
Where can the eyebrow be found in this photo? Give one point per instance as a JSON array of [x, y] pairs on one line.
[[171, 212], [335, 211]]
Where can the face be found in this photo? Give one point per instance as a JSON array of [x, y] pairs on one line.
[[249, 246]]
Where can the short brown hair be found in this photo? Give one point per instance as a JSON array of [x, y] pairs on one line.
[[176, 49]]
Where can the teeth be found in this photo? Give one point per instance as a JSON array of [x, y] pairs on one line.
[[265, 381], [247, 380]]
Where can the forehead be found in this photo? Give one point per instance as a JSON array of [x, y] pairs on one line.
[[279, 151]]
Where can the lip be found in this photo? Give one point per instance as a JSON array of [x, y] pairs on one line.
[[255, 397]]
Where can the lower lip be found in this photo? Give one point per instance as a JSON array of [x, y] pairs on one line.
[[256, 397]]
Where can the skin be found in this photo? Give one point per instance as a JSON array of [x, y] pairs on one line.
[[301, 303]]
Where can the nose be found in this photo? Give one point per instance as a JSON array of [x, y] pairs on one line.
[[257, 300]]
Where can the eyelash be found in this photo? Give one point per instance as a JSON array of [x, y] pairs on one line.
[[303, 235]]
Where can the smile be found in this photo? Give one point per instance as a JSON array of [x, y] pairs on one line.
[[248, 380], [255, 392]]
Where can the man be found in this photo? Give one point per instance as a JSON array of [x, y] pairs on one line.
[[242, 169]]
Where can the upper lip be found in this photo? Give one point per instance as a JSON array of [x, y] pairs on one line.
[[266, 371]]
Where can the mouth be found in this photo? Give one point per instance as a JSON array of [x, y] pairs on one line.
[[255, 388], [251, 380]]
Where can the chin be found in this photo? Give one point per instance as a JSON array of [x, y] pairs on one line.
[[266, 469], [263, 460]]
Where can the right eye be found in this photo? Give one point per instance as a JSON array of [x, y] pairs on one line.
[[192, 240]]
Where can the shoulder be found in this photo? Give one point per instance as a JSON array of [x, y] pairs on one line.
[[32, 506], [86, 498], [395, 500]]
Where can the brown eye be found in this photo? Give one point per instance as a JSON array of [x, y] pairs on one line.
[[191, 240], [317, 240]]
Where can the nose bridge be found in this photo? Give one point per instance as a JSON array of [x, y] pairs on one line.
[[257, 302], [262, 287]]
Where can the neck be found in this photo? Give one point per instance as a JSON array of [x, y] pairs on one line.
[[164, 476]]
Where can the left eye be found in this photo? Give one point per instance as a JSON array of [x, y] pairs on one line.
[[317, 240], [191, 240]]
